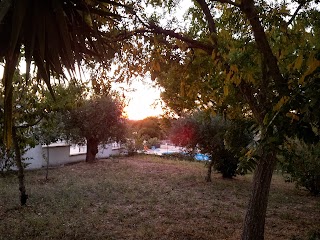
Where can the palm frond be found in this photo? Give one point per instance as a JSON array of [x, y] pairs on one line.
[[54, 35]]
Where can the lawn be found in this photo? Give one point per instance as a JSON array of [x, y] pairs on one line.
[[147, 197]]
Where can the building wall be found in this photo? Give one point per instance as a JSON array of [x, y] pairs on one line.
[[104, 151], [61, 153], [34, 157], [57, 154]]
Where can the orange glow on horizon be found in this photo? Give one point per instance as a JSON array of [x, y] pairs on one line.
[[141, 105], [141, 101]]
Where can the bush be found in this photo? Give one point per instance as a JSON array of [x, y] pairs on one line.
[[302, 162], [6, 165], [6, 159], [227, 164], [224, 140]]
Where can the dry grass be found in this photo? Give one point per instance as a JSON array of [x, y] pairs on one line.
[[147, 197]]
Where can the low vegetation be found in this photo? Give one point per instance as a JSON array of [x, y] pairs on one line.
[[147, 197]]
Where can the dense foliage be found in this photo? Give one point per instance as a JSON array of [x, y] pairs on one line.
[[301, 163], [97, 120], [223, 140], [28, 110]]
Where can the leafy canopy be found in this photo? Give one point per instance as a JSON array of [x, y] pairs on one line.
[[99, 118]]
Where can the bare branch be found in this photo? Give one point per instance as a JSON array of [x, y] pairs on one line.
[[296, 13]]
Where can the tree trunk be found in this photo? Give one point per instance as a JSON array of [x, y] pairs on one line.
[[92, 149], [22, 188], [210, 165], [254, 222], [47, 168]]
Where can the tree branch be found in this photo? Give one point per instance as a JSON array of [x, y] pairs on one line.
[[296, 12], [152, 28], [248, 8], [248, 95], [116, 4], [189, 41], [128, 34], [101, 12], [207, 13], [30, 124]]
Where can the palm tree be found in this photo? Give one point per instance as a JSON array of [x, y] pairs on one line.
[[54, 35]]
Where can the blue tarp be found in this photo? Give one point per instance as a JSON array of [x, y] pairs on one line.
[[201, 157]]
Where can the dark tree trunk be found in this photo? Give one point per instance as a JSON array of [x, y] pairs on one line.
[[214, 158], [22, 188], [208, 177], [92, 149], [254, 222]]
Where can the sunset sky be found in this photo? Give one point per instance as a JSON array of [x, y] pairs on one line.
[[142, 101]]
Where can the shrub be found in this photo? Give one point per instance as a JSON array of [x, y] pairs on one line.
[[6, 160], [302, 162], [224, 140], [226, 164]]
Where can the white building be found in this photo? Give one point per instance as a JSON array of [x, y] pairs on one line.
[[61, 153]]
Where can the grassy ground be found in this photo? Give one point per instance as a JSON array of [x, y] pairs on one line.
[[147, 197]]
